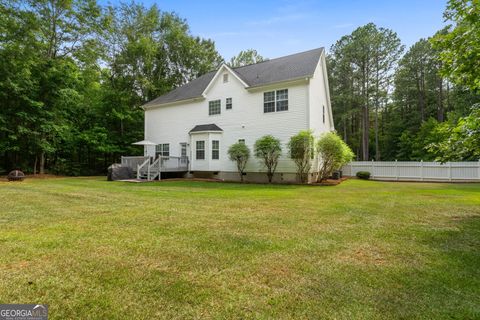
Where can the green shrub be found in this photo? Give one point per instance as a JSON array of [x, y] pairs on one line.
[[268, 149], [333, 152], [365, 175], [300, 149], [239, 153]]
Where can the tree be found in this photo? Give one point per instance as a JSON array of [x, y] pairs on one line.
[[239, 153], [73, 75], [459, 47], [333, 152], [460, 141], [300, 149], [246, 57], [362, 65], [268, 149]]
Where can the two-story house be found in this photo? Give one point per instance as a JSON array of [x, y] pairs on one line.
[[202, 118]]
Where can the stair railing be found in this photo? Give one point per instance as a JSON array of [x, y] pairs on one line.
[[152, 166], [140, 167]]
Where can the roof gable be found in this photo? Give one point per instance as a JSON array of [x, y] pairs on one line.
[[221, 71]]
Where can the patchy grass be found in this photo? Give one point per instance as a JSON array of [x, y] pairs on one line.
[[93, 249]]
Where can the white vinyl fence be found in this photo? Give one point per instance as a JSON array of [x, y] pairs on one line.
[[416, 170]]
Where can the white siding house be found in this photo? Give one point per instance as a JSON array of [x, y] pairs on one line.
[[204, 117]]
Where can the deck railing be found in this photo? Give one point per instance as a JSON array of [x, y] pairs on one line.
[[133, 162], [152, 167]]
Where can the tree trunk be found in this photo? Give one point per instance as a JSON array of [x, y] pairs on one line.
[[440, 108], [42, 162], [35, 165]]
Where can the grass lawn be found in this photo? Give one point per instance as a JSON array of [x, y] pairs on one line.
[[93, 249]]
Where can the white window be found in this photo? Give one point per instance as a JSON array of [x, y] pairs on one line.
[[323, 115], [183, 149], [162, 149], [241, 141], [228, 103], [215, 149], [200, 150], [275, 101], [214, 107], [269, 101], [225, 77], [282, 100]]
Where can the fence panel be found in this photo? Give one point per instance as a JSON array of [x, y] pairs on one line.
[[416, 170]]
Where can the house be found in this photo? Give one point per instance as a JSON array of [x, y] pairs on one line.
[[202, 118]]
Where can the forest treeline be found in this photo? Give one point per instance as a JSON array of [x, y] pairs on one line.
[[419, 103], [73, 75]]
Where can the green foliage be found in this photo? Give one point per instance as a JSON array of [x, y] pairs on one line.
[[364, 175], [300, 149], [361, 67], [246, 57], [459, 141], [268, 149], [239, 153], [460, 48], [403, 118], [73, 75], [333, 152]]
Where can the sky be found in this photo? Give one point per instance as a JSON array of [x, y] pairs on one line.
[[282, 27]]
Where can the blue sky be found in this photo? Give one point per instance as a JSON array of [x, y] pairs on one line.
[[277, 28]]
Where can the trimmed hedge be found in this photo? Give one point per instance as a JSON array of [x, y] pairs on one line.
[[365, 175]]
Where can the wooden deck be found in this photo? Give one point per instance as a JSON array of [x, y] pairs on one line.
[[150, 168]]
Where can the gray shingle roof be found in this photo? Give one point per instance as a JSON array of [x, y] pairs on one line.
[[206, 127], [286, 68]]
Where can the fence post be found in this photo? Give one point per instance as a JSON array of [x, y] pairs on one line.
[[396, 170], [373, 168], [449, 170], [421, 170], [478, 169]]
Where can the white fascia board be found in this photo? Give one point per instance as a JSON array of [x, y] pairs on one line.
[[172, 103], [219, 71]]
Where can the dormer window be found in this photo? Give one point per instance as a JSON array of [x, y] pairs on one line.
[[225, 77]]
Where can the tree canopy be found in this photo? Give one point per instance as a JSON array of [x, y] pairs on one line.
[[73, 75], [246, 57]]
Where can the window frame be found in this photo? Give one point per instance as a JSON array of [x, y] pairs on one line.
[[213, 104], [225, 77], [161, 150], [241, 141], [283, 98], [228, 103], [270, 101], [197, 150], [275, 101], [215, 149], [183, 147]]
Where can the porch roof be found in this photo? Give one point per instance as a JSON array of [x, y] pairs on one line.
[[206, 127]]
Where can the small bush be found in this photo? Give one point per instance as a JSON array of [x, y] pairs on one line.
[[268, 149], [365, 175], [239, 153], [301, 151], [333, 152]]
